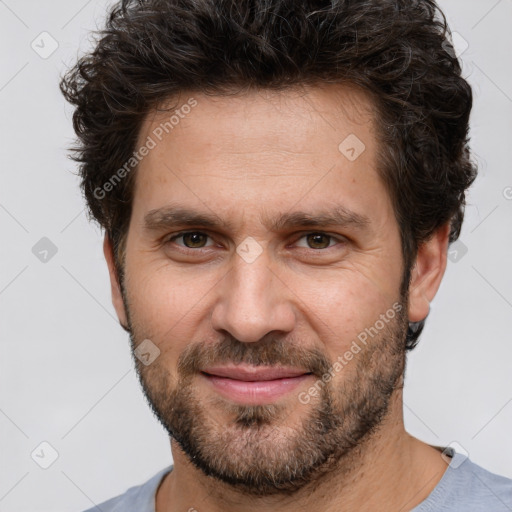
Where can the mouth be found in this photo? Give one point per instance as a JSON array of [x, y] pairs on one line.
[[253, 385]]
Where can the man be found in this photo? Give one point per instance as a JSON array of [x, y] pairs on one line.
[[279, 182]]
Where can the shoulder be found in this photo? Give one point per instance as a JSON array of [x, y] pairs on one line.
[[139, 498], [486, 488], [468, 487]]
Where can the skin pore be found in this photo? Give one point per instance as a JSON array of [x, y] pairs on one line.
[[300, 300]]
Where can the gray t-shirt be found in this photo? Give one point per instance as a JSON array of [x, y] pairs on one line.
[[464, 487]]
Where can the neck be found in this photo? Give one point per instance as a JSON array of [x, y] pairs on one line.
[[389, 471]]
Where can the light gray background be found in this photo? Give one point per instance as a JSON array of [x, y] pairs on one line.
[[65, 368]]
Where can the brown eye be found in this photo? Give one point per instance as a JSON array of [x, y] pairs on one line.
[[318, 240], [191, 239], [194, 240]]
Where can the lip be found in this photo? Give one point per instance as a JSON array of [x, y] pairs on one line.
[[254, 373], [254, 384]]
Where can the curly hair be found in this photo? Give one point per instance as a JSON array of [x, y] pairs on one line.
[[398, 51]]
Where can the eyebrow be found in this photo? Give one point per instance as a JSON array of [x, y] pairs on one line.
[[172, 216]]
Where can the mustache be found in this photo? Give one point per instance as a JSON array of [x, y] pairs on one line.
[[268, 352]]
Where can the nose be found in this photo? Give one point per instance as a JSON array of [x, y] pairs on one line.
[[252, 301]]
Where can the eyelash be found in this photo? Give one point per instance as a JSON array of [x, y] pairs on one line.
[[189, 249]]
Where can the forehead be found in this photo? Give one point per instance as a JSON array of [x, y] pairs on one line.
[[282, 119], [260, 148]]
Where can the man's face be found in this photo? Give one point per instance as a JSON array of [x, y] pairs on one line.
[[259, 294]]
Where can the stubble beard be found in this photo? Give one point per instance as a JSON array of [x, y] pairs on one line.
[[253, 449]]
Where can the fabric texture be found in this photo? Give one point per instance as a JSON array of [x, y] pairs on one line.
[[464, 487]]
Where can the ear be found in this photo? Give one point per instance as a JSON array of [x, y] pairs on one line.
[[117, 297], [427, 273]]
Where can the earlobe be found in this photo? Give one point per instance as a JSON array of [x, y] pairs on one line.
[[117, 297], [427, 273]]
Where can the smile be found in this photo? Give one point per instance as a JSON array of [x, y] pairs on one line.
[[254, 384]]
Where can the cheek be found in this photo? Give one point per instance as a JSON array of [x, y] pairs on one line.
[[165, 304], [341, 307]]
